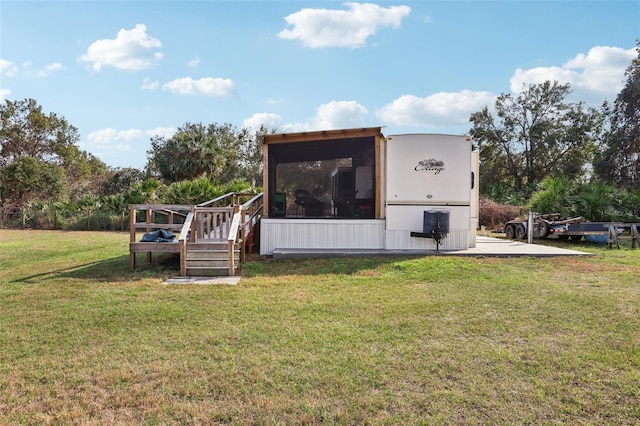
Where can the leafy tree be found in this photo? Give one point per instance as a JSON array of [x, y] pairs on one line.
[[504, 194], [596, 202], [121, 180], [29, 179], [553, 196], [617, 160], [194, 191], [220, 152], [250, 156], [629, 206], [27, 131], [535, 135], [200, 190], [194, 151], [85, 172], [89, 204], [144, 192]]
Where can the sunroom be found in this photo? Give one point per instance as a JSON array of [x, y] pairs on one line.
[[323, 190]]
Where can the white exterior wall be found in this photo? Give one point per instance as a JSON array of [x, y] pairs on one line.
[[402, 220], [475, 198], [428, 169], [402, 240], [427, 172], [406, 194], [320, 234]]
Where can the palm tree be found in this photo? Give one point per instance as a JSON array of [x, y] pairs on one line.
[[596, 202], [552, 196]]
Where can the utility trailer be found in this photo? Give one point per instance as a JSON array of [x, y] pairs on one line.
[[551, 224]]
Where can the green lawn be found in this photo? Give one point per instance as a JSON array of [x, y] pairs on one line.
[[432, 340]]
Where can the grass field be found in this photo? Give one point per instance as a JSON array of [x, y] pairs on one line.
[[432, 340]]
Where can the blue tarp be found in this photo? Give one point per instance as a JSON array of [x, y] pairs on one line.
[[159, 236]]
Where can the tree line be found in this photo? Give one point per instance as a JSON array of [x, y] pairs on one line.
[[534, 147], [47, 181], [539, 134]]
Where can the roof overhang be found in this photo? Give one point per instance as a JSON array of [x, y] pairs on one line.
[[322, 135]]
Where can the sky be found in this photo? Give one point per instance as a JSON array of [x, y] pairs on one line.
[[122, 71]]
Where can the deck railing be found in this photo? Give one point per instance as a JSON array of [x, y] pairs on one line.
[[157, 216], [220, 219]]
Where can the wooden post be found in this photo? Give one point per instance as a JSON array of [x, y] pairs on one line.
[[183, 258], [132, 237], [232, 260], [192, 236], [243, 235], [149, 219], [613, 237], [635, 236]]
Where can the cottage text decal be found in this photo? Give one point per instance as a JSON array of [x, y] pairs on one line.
[[430, 165]]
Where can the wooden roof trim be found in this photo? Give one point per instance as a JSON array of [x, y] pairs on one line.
[[322, 135]]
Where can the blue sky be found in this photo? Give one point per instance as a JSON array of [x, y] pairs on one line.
[[123, 71]]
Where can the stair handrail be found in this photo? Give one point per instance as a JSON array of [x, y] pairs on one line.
[[232, 239], [182, 241], [217, 199], [247, 224]]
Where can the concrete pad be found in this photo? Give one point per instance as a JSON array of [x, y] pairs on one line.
[[488, 246], [204, 280], [485, 246]]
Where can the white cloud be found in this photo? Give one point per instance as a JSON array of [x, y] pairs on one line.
[[109, 141], [165, 132], [269, 120], [7, 68], [148, 84], [341, 28], [131, 50], [194, 62], [108, 136], [205, 86], [339, 115], [48, 69], [332, 115], [102, 136], [598, 74], [438, 110], [4, 94]]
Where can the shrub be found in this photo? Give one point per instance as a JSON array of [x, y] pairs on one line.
[[493, 214]]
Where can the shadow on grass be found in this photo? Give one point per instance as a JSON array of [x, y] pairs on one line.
[[115, 269], [269, 267]]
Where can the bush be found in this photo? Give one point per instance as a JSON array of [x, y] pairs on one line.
[[492, 214]]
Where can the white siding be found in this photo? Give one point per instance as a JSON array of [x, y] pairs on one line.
[[319, 234], [473, 237], [402, 240], [411, 218], [434, 169]]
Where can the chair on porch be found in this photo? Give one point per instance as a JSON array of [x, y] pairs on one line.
[[309, 205]]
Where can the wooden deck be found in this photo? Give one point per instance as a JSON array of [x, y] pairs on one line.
[[213, 236]]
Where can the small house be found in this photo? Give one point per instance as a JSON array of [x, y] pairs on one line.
[[354, 189]]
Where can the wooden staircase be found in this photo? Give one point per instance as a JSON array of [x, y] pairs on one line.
[[204, 259], [213, 235]]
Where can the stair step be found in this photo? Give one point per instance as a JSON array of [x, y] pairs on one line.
[[209, 246], [191, 272], [211, 254], [207, 263]]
